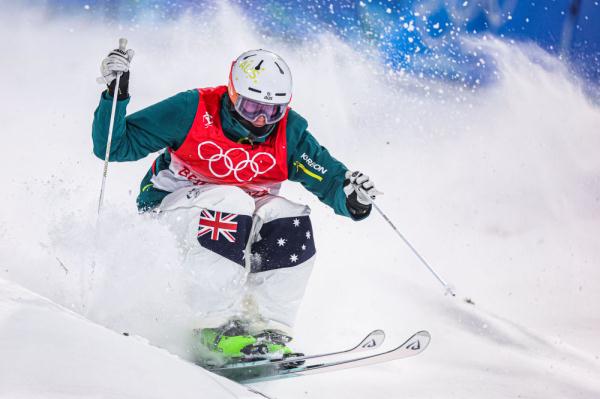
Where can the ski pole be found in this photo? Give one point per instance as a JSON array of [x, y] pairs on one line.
[[122, 47], [447, 288]]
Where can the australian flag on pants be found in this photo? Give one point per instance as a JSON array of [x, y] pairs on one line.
[[224, 233], [284, 242]]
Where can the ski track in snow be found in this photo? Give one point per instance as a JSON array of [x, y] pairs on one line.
[[499, 190]]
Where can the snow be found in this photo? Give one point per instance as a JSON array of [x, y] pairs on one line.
[[50, 352], [498, 188]]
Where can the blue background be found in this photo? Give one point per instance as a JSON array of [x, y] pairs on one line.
[[415, 36]]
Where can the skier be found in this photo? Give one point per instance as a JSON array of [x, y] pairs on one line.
[[224, 153]]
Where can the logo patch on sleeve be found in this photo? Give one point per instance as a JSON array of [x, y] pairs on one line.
[[311, 168]]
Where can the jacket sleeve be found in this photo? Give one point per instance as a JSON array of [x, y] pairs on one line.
[[311, 164], [164, 124]]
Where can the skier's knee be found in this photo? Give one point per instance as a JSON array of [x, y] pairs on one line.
[[285, 235], [225, 221]]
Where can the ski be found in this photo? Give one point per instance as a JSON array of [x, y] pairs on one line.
[[372, 341], [411, 347]]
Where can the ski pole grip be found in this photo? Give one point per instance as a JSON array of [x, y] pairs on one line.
[[122, 44]]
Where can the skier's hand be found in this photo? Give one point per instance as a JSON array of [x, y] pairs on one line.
[[117, 61], [360, 192]]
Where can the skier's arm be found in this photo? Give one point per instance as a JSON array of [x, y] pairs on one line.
[[161, 125], [311, 164]]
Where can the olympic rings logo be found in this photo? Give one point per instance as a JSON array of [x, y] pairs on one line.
[[211, 152]]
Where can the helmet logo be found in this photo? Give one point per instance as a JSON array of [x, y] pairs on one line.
[[251, 73], [268, 96]]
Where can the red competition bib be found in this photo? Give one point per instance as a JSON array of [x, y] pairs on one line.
[[208, 156]]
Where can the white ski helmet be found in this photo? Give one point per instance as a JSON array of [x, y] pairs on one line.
[[263, 77]]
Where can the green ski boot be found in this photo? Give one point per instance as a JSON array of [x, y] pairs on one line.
[[233, 343]]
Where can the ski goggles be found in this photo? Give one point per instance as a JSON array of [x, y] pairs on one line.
[[251, 110]]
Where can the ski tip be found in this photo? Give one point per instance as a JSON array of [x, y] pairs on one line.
[[380, 334], [373, 340], [418, 342], [423, 333]]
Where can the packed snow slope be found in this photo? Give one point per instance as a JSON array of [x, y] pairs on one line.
[[499, 188], [50, 352]]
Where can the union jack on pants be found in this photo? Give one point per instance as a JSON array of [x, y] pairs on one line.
[[218, 223]]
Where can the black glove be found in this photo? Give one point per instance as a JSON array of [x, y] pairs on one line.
[[123, 87], [359, 204]]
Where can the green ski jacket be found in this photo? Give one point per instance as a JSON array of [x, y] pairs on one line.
[[167, 123]]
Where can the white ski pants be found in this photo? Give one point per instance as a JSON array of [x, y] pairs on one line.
[[249, 258]]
